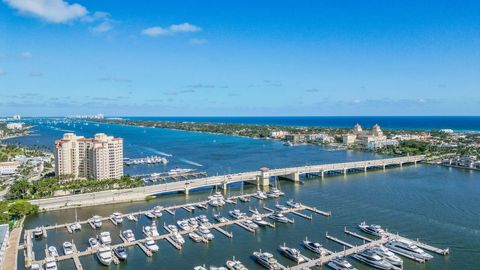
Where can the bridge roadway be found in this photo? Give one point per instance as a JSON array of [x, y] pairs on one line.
[[261, 178]]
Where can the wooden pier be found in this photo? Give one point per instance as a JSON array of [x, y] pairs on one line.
[[224, 232], [341, 242], [354, 234]]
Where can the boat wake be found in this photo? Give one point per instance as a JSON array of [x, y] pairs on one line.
[[191, 162], [157, 152]]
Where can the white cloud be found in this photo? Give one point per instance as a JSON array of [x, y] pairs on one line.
[[170, 30], [198, 41], [2, 72], [25, 55], [54, 11], [102, 27]]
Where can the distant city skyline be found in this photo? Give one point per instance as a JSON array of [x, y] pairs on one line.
[[228, 58]]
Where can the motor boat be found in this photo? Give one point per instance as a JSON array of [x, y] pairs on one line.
[[230, 201], [36, 266], [281, 207], [260, 222], [202, 219], [266, 260], [192, 222], [150, 215], [205, 233], [293, 204], [116, 218], [371, 229], [277, 191], [271, 194], [150, 244], [172, 228], [217, 268], [315, 247], [105, 238], [132, 218], [121, 253], [220, 218], [369, 257], [128, 235], [104, 255], [67, 248], [50, 263], [236, 214], [198, 267], [195, 237], [408, 249], [293, 254], [250, 224], [202, 205], [183, 224], [93, 243], [151, 230], [157, 211], [52, 251], [340, 264], [260, 195], [277, 216], [255, 211], [385, 253], [244, 199], [178, 238], [215, 203], [178, 171], [235, 265], [38, 232], [75, 226], [97, 221]]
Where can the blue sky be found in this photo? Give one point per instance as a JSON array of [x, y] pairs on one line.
[[196, 57]]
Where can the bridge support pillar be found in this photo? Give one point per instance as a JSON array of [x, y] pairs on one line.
[[186, 191], [384, 166], [401, 164], [224, 186], [344, 171], [322, 174], [294, 177], [365, 169], [264, 178]]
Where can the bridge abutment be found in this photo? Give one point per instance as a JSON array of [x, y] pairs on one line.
[[294, 177]]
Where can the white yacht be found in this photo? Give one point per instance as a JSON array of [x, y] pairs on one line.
[[202, 219], [105, 238], [104, 255], [280, 207], [244, 199], [75, 226], [128, 235], [236, 214], [116, 218], [52, 251], [50, 263], [150, 244], [157, 211], [192, 222], [67, 248], [277, 216], [202, 205], [205, 233], [195, 237], [250, 224], [132, 218], [293, 204], [407, 248], [266, 260], [371, 229], [371, 258], [293, 254], [150, 215], [260, 222], [235, 265], [199, 267], [260, 195], [277, 191], [151, 230], [97, 221], [178, 171], [183, 224], [178, 238], [35, 266], [340, 264], [220, 218], [93, 242], [38, 232], [315, 247], [215, 203], [172, 228], [385, 253]]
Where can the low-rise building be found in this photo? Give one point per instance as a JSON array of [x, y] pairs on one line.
[[9, 168], [319, 137], [294, 138], [278, 134], [376, 144], [15, 126], [349, 138]]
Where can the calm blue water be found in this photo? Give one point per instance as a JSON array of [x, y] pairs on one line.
[[458, 123], [436, 204]]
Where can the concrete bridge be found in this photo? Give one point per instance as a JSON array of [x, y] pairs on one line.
[[260, 178]]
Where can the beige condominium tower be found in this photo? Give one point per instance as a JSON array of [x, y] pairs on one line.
[[100, 157]]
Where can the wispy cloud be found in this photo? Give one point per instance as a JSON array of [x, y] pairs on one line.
[[25, 55], [114, 79], [313, 90], [267, 83], [35, 74], [197, 41], [53, 11], [103, 20], [2, 72], [171, 30], [102, 27], [200, 85]]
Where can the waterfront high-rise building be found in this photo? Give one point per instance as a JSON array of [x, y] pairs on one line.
[[100, 157]]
